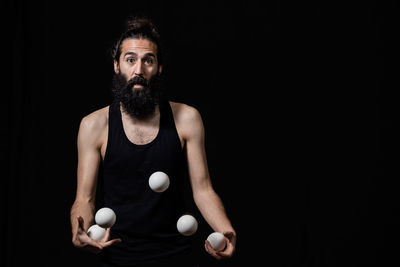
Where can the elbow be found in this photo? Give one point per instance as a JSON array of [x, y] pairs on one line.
[[203, 193]]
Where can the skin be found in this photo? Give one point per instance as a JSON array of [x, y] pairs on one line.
[[138, 57]]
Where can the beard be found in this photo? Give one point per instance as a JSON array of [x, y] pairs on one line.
[[137, 102]]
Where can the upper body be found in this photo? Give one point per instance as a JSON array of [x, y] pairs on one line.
[[137, 60]]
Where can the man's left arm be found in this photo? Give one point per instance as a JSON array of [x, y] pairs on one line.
[[205, 197]]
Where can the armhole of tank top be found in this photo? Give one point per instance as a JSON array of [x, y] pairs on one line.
[[108, 134], [181, 146]]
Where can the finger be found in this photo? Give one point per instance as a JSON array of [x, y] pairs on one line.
[[211, 251], [229, 234], [231, 237], [227, 252], [93, 243], [84, 242], [111, 242], [208, 247], [224, 254], [229, 249], [106, 236], [92, 249]]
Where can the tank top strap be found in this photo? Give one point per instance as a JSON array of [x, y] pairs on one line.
[[167, 117], [114, 127], [113, 114], [168, 123]]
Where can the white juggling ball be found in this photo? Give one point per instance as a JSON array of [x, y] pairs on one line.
[[217, 241], [159, 182], [105, 217], [96, 232], [187, 225]]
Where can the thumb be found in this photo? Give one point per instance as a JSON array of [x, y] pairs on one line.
[[231, 237], [80, 223]]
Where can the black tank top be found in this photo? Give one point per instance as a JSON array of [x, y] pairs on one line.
[[146, 220]]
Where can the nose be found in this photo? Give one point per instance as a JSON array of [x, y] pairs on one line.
[[139, 68]]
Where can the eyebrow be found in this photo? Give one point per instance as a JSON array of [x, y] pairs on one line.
[[134, 54]]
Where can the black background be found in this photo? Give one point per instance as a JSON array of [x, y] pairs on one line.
[[297, 101]]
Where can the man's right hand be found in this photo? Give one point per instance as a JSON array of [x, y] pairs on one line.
[[82, 240]]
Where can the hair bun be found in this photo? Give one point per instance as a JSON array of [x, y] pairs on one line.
[[141, 24], [138, 27]]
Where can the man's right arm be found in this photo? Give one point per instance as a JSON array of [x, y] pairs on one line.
[[91, 137], [88, 166]]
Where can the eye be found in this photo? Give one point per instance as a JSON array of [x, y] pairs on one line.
[[148, 61], [130, 60]]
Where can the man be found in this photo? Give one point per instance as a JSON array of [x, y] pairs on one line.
[[138, 134]]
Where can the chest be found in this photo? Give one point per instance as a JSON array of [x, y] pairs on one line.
[[141, 133]]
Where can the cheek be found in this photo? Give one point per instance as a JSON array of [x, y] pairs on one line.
[[124, 73], [153, 70], [127, 71]]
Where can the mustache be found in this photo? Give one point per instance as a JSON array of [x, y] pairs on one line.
[[138, 80]]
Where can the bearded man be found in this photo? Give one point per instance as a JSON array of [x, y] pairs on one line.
[[138, 134]]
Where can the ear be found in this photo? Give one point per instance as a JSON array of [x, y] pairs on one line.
[[116, 67], [159, 69]]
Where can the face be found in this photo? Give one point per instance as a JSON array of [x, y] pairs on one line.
[[138, 58], [136, 83]]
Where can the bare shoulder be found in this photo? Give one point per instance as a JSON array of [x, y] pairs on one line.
[[188, 120], [184, 113], [94, 124]]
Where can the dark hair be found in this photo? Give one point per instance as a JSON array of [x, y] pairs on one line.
[[138, 27]]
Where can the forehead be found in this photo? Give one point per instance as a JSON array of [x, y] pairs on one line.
[[138, 46]]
